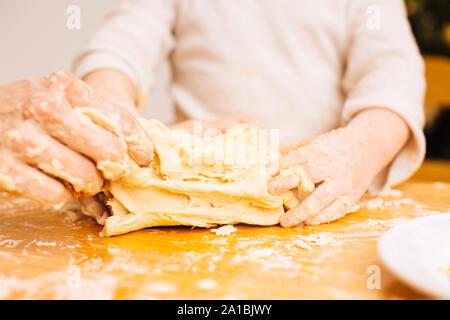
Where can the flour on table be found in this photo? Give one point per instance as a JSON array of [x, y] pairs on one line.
[[439, 185], [206, 284], [9, 243], [45, 243], [381, 204], [316, 239], [224, 230], [160, 287], [391, 193]]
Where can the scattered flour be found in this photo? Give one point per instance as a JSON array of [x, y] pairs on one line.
[[440, 185], [316, 239], [45, 243], [224, 230], [71, 216], [391, 193], [268, 258], [206, 284], [381, 204], [373, 204], [372, 222], [9, 243], [160, 287], [57, 285]]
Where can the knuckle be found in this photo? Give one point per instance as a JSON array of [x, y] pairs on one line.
[[127, 120], [61, 77], [19, 134], [80, 94], [40, 107]]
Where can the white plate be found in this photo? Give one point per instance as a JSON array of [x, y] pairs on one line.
[[418, 252]]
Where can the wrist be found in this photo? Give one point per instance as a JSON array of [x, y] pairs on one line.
[[113, 85], [382, 134]]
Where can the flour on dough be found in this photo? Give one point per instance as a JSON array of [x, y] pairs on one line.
[[196, 181]]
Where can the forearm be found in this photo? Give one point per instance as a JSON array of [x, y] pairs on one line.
[[383, 134], [114, 85]]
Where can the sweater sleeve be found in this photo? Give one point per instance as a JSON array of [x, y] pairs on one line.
[[385, 69], [135, 38]]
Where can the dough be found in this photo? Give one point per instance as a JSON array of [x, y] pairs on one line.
[[196, 181]]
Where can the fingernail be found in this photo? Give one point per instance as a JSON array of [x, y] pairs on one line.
[[285, 221]]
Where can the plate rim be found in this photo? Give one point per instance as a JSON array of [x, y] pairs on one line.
[[382, 253]]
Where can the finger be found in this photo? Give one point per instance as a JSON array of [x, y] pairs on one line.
[[283, 183], [94, 207], [337, 209], [291, 178], [79, 133], [36, 148], [300, 156], [285, 149], [310, 207], [306, 164], [17, 177], [273, 167], [114, 118]]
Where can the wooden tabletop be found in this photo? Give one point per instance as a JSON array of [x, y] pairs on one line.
[[48, 255]]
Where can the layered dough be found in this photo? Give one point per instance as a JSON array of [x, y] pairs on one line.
[[196, 181]]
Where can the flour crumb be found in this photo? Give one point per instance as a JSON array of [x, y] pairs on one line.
[[372, 222], [10, 243], [399, 202], [114, 250], [160, 287], [303, 245], [224, 230], [381, 204], [317, 239], [45, 244], [439, 185], [71, 216], [206, 284], [373, 204], [391, 193]]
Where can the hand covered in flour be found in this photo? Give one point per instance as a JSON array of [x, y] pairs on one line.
[[58, 134], [338, 166]]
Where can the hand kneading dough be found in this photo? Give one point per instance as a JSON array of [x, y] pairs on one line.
[[196, 181]]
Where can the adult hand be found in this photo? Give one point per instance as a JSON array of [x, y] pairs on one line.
[[57, 133]]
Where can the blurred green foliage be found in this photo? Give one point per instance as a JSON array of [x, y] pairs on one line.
[[430, 21]]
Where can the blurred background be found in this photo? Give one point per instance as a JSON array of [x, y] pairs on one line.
[[430, 21], [35, 41]]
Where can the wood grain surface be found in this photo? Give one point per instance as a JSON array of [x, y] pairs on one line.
[[52, 255]]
